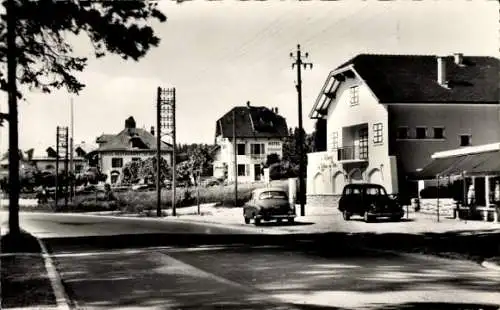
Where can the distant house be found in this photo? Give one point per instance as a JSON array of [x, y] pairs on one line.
[[46, 162], [130, 144], [259, 131], [387, 114]]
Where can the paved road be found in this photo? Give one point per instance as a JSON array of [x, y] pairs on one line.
[[233, 275]]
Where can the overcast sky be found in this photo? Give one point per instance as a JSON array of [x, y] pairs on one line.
[[222, 54]]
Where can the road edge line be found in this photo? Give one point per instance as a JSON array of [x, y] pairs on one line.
[[55, 280]]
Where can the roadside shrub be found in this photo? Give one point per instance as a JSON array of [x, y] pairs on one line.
[[137, 201]]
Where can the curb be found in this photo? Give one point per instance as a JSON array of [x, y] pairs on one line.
[[490, 265], [55, 279]]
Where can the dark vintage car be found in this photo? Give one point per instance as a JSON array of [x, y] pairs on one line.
[[369, 201], [268, 204]]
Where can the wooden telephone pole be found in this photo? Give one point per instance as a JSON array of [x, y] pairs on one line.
[[299, 64], [235, 159]]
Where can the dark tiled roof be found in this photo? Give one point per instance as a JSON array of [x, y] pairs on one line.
[[142, 139], [413, 78], [252, 122], [104, 138]]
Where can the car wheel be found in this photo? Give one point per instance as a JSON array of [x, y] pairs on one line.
[[257, 222], [367, 217], [396, 218], [346, 215], [291, 220], [247, 220], [278, 220]]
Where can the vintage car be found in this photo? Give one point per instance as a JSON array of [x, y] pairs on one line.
[[369, 201], [268, 204]]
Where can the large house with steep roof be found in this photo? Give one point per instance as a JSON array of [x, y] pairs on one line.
[[258, 131], [130, 144], [387, 114]]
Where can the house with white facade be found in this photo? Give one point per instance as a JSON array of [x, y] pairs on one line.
[[258, 131], [387, 114], [130, 144]]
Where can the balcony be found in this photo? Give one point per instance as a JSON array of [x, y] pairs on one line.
[[258, 157], [352, 154]]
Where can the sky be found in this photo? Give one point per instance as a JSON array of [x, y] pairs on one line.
[[222, 54]]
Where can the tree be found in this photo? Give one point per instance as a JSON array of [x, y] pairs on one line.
[[131, 172], [272, 158], [147, 170], [319, 136], [199, 162], [36, 51], [46, 60]]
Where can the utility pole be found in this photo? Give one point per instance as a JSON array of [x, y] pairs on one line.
[[299, 63], [56, 194], [66, 179], [71, 151], [158, 152], [235, 159], [62, 146], [165, 119], [12, 117]]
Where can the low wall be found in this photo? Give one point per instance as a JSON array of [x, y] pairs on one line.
[[22, 202], [446, 206], [327, 201]]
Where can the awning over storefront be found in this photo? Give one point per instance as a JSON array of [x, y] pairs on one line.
[[436, 167], [490, 166], [470, 164]]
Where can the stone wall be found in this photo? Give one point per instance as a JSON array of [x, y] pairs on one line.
[[446, 206], [327, 201]]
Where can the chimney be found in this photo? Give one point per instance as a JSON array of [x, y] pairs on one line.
[[441, 70], [152, 130], [459, 58], [248, 104], [276, 110]]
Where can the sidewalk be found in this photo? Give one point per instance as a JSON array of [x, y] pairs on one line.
[[24, 278], [327, 219]]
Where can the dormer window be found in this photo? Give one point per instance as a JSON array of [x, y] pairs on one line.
[[354, 95]]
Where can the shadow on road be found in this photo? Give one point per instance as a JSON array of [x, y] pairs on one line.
[[284, 223], [475, 245], [382, 220], [154, 278]]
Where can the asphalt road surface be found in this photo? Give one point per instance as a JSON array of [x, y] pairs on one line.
[[108, 263]]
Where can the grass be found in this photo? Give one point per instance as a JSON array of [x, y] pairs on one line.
[[145, 201], [137, 202]]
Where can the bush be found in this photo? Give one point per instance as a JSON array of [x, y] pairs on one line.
[[136, 202]]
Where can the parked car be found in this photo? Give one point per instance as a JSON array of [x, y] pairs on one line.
[[369, 201], [268, 204]]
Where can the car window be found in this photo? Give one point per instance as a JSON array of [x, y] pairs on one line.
[[375, 191], [352, 191], [273, 195]]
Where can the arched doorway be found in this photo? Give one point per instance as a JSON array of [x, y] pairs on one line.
[[338, 182], [115, 175], [318, 183], [355, 176], [375, 176]]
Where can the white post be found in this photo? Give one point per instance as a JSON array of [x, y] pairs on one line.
[[292, 190], [486, 196]]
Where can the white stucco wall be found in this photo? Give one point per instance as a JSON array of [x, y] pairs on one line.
[[105, 160], [342, 115], [226, 155]]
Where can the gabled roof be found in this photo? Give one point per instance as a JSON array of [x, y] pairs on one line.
[[85, 147], [413, 79], [132, 139], [252, 122]]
